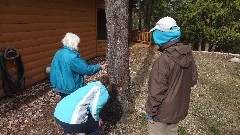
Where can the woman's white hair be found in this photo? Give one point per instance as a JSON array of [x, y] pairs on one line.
[[71, 40]]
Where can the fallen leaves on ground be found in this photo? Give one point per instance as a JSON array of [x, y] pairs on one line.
[[214, 107]]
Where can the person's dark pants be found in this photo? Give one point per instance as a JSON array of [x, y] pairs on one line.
[[91, 127]]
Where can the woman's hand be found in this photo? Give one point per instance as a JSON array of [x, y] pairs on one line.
[[149, 118], [151, 121], [100, 122], [103, 66]]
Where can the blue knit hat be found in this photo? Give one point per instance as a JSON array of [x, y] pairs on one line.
[[166, 30]]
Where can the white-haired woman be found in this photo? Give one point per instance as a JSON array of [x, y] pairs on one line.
[[68, 68]]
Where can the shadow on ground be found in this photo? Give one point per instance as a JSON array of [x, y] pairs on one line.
[[13, 102]]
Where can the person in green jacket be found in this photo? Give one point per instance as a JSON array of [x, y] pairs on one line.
[[68, 68]]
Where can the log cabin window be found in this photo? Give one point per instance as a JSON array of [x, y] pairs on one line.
[[101, 24]]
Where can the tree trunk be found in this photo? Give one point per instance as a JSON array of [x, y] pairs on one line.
[[213, 47], [207, 44], [147, 15], [118, 48], [130, 21], [199, 42], [221, 47], [139, 16]]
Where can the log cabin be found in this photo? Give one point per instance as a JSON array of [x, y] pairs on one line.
[[35, 28]]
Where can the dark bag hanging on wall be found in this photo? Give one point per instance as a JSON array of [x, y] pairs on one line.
[[10, 85]]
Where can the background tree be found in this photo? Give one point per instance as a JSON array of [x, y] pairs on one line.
[[139, 15], [210, 23], [118, 48], [148, 10]]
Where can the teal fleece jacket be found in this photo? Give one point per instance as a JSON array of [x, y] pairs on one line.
[[75, 108], [68, 69]]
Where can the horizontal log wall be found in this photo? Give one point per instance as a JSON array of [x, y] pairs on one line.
[[35, 28], [102, 47]]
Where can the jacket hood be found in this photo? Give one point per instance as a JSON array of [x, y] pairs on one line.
[[181, 54]]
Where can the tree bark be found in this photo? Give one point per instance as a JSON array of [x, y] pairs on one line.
[[199, 42], [130, 21], [213, 48], [148, 15], [139, 16], [118, 47], [207, 44]]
